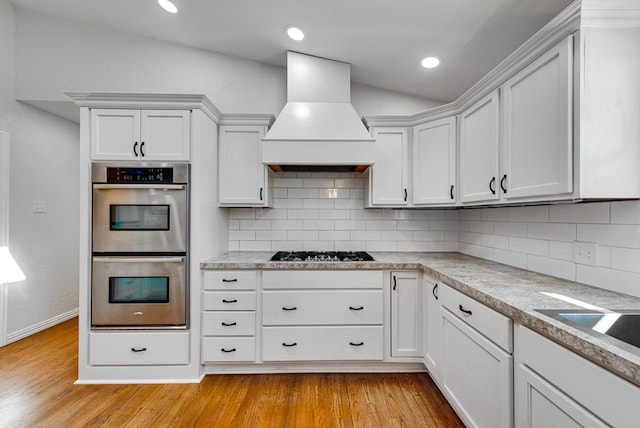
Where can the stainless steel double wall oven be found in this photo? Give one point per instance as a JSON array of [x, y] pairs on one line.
[[140, 242]]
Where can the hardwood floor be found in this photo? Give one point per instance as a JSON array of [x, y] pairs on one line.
[[37, 390]]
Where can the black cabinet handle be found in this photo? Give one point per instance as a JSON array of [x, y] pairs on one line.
[[395, 282], [141, 147], [504, 178], [289, 308], [228, 350], [138, 349], [261, 193], [135, 147], [356, 344], [405, 195], [466, 311], [289, 345], [230, 324], [434, 291], [492, 185], [451, 191], [229, 280], [359, 308], [229, 301]]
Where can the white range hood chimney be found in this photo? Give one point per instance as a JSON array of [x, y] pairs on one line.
[[318, 128]]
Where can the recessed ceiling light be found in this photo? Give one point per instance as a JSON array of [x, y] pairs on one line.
[[294, 33], [431, 62], [168, 6]]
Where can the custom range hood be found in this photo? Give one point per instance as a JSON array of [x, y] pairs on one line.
[[318, 129]]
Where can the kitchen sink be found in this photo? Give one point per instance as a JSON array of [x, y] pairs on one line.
[[620, 328]]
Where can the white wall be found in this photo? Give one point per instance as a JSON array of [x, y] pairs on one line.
[[45, 245], [541, 239], [81, 57]]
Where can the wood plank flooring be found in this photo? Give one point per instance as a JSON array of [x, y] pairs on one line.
[[37, 390]]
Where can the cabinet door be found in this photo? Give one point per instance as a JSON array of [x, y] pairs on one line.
[[541, 405], [388, 180], [165, 135], [434, 162], [115, 134], [242, 174], [537, 126], [476, 376], [433, 327], [406, 298], [479, 145]]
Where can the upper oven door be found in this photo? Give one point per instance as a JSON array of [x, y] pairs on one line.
[[149, 218]]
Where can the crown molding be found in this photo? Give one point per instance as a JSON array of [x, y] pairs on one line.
[[146, 101], [247, 119]]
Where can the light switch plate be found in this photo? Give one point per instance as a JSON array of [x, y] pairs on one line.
[[39, 206], [585, 253]]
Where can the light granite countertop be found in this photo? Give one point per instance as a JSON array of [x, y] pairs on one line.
[[513, 292]]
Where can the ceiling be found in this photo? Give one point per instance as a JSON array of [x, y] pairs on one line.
[[384, 41]]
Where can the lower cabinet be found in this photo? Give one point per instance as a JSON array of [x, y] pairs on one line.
[[322, 315], [555, 387], [432, 327], [475, 370], [406, 321], [138, 348]]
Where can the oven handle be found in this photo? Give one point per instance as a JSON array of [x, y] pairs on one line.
[[139, 186], [107, 259]]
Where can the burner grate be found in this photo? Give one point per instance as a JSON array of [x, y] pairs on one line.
[[321, 256]]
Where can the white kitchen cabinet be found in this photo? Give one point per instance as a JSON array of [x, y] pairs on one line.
[[433, 326], [139, 348], [389, 176], [555, 387], [479, 150], [537, 123], [322, 315], [144, 135], [229, 316], [406, 321], [434, 163], [243, 178], [476, 374]]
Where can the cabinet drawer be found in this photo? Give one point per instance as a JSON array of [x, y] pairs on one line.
[[488, 322], [229, 323], [321, 343], [322, 307], [119, 349], [228, 349], [230, 280], [229, 301], [286, 279]]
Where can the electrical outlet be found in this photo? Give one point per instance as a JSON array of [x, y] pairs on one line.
[[585, 253], [39, 206]]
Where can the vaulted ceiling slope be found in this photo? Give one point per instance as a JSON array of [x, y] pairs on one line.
[[383, 40]]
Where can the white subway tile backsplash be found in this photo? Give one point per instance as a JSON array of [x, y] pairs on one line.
[[325, 211], [595, 212], [555, 231], [538, 247], [554, 267]]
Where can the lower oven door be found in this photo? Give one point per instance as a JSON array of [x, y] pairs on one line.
[[134, 292]]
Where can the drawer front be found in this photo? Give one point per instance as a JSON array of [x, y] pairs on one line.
[[228, 349], [322, 307], [488, 322], [229, 301], [230, 280], [131, 349], [287, 279], [321, 343], [229, 323]]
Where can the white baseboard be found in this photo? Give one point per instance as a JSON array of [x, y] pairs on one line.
[[26, 332]]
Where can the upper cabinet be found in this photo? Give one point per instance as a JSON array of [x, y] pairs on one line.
[[145, 135], [479, 150], [537, 126], [389, 176], [434, 162]]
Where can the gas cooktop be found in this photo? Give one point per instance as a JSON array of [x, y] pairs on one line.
[[321, 256]]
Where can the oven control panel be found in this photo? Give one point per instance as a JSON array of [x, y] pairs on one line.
[[139, 175]]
